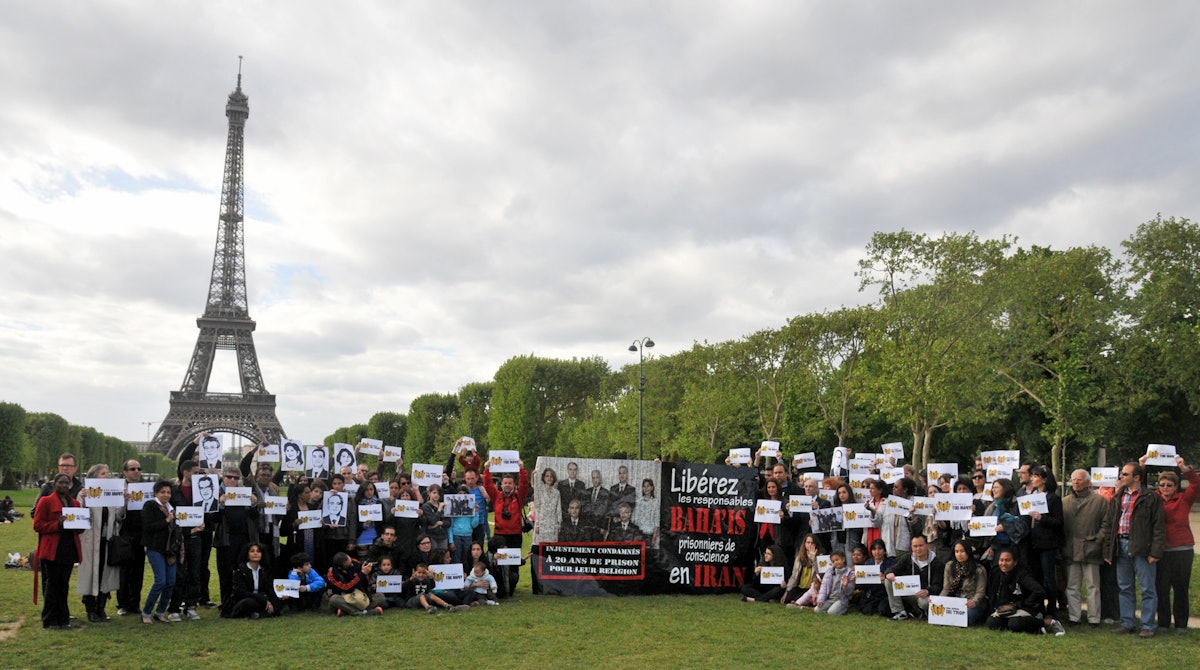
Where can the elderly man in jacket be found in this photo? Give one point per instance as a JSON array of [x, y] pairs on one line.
[[1084, 529]]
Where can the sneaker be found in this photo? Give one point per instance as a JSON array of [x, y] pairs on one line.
[[191, 614], [173, 617], [121, 611], [254, 615], [1056, 627], [431, 609], [493, 602], [901, 616], [375, 611], [1146, 633]]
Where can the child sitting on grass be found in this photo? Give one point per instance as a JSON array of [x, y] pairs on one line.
[[419, 590], [389, 600], [311, 584], [480, 586]]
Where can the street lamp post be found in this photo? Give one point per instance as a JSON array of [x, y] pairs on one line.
[[640, 347]]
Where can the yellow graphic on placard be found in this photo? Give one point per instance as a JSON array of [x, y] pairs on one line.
[[279, 588], [851, 515], [437, 576], [992, 473], [974, 525], [363, 445], [1152, 453], [383, 582], [137, 496], [942, 506], [362, 514], [937, 610], [761, 510], [230, 495], [860, 574], [262, 452], [418, 474], [892, 503], [93, 492], [1026, 505], [1096, 476], [496, 460], [182, 516]]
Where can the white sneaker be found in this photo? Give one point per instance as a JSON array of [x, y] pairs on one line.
[[173, 617], [901, 616], [190, 613], [1057, 628], [492, 602]]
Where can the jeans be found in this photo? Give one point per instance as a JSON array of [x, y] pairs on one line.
[[1140, 568], [164, 583]]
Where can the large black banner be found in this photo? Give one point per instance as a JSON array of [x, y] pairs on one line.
[[621, 527]]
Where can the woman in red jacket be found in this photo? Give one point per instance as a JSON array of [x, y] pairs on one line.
[[57, 552], [1175, 568]]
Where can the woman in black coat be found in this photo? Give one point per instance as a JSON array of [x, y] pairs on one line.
[[250, 591], [1015, 596]]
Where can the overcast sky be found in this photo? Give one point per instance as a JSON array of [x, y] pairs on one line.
[[435, 187]]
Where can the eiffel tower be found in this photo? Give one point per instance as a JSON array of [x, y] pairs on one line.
[[226, 324]]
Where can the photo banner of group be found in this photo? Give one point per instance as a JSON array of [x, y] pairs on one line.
[[624, 527]]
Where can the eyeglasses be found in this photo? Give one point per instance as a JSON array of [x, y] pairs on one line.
[[133, 469], [1126, 474], [231, 476], [978, 477]]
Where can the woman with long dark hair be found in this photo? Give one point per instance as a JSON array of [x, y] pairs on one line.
[[965, 578]]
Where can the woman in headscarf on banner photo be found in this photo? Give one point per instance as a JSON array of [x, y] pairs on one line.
[[97, 579], [645, 514], [547, 504], [57, 551]]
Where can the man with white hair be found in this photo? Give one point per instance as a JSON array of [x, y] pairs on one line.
[[1084, 528]]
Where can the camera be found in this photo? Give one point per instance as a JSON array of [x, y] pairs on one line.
[[505, 514]]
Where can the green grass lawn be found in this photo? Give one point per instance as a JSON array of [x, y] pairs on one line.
[[551, 632]]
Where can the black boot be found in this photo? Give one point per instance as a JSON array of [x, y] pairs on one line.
[[101, 604]]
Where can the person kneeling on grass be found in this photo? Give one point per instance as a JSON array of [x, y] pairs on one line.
[[1017, 597], [480, 587], [311, 584], [419, 590], [250, 593], [347, 579]]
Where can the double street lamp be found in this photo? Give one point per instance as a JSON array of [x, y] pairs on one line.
[[640, 347]]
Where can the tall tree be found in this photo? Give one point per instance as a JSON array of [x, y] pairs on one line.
[[1055, 335], [936, 308], [534, 396], [12, 438], [717, 412], [389, 427], [830, 348], [428, 417]]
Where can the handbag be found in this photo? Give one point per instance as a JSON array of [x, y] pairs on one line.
[[526, 524], [1006, 610], [120, 551]]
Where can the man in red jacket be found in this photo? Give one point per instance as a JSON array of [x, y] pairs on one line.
[[507, 502]]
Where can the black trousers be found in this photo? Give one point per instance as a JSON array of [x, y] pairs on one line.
[[129, 593], [1174, 573], [514, 571], [226, 560], [56, 585]]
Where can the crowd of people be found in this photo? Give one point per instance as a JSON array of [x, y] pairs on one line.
[[1028, 577], [338, 563]]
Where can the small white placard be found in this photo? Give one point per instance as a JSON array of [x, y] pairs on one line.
[[772, 576], [189, 516], [855, 515], [508, 556], [767, 511], [995, 472], [826, 494], [893, 450], [1034, 502], [425, 474], [897, 506], [823, 564], [922, 506], [863, 462], [891, 475], [947, 611], [238, 496], [268, 453], [76, 518], [769, 448], [858, 478], [275, 505], [373, 512], [447, 576], [1105, 477], [740, 456], [291, 456], [406, 509], [389, 584], [906, 585], [982, 526], [289, 588], [953, 506], [806, 460], [308, 519], [504, 460], [867, 574], [391, 454], [370, 446], [1160, 454], [139, 493], [936, 470], [104, 492], [800, 504]]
